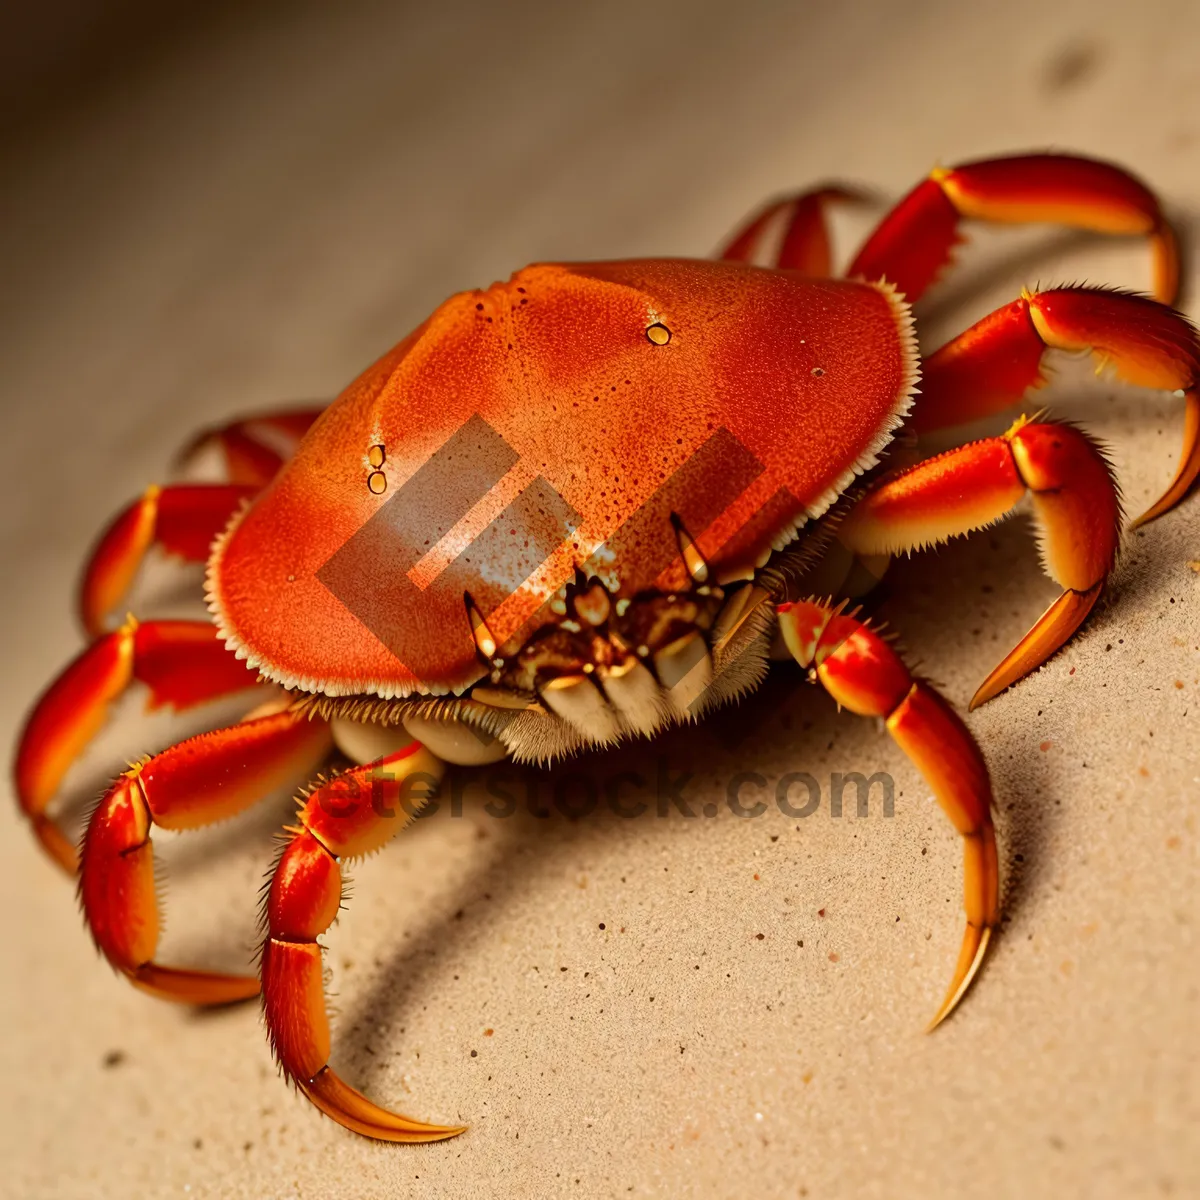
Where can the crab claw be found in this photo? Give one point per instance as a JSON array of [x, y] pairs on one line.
[[189, 785], [858, 668], [1188, 469], [934, 737], [970, 958], [183, 519], [1049, 632], [351, 1108], [182, 662], [349, 815], [203, 989], [248, 457]]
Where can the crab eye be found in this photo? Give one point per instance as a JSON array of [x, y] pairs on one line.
[[658, 333], [377, 482], [376, 456]]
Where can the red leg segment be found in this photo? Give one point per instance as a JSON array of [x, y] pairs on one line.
[[915, 241], [199, 781], [351, 815], [997, 361], [251, 447], [185, 518], [182, 518], [864, 674], [805, 246], [1075, 503], [182, 662]]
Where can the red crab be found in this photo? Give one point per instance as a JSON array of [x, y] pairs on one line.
[[581, 505]]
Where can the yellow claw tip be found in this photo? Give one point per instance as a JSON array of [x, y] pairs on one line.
[[974, 947], [203, 989], [1159, 508], [349, 1107], [56, 843]]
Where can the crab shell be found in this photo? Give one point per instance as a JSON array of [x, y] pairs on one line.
[[560, 420]]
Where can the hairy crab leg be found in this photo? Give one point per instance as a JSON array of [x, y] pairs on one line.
[[805, 245], [248, 458], [194, 783], [998, 360], [182, 662], [1075, 505], [915, 241], [182, 518], [348, 816], [863, 673]]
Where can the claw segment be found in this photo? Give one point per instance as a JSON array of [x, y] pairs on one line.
[[1075, 504], [914, 242], [194, 783], [998, 360], [864, 674], [183, 663], [182, 518], [202, 989], [929, 731], [351, 814], [970, 959], [68, 715], [352, 1109], [248, 459], [1049, 632], [805, 246], [1188, 469]]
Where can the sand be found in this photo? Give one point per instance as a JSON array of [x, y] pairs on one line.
[[660, 1006]]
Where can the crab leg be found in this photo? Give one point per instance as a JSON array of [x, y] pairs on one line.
[[351, 815], [191, 784], [248, 458], [1075, 505], [182, 662], [914, 242], [863, 673], [183, 518], [805, 245], [994, 363]]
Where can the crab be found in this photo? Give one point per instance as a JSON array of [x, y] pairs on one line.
[[579, 506]]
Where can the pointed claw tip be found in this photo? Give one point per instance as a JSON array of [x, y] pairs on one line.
[[56, 844], [1159, 508], [349, 1107], [1005, 674], [974, 947], [204, 989], [1188, 470]]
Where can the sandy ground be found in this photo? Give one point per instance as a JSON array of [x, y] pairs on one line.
[[651, 1007]]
